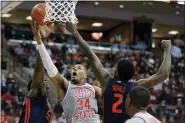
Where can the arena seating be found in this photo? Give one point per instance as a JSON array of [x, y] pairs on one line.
[[168, 95]]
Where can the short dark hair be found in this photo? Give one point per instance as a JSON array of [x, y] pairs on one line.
[[139, 97], [29, 85], [125, 70]]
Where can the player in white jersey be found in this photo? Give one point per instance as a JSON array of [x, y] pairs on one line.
[[136, 105], [77, 98]]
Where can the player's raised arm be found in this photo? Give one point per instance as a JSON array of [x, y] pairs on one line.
[[163, 71], [60, 82], [100, 72], [38, 79]]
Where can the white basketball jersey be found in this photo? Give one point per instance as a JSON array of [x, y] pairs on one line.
[[80, 105], [148, 118]]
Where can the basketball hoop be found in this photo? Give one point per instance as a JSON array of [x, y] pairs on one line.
[[61, 11]]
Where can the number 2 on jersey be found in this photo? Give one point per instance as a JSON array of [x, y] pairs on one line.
[[81, 104], [117, 103]]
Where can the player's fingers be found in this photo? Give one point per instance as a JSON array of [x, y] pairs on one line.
[[66, 24], [51, 25], [32, 24], [35, 23], [33, 27], [162, 43], [39, 31], [37, 26]]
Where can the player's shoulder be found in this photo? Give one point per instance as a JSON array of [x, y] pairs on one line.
[[36, 99], [116, 81], [87, 84], [112, 81], [135, 120]]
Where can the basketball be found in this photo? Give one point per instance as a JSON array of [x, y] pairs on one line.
[[38, 13]]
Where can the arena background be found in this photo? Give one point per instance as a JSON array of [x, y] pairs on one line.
[[116, 29]]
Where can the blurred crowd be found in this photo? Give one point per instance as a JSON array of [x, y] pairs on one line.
[[12, 99], [169, 92], [167, 98]]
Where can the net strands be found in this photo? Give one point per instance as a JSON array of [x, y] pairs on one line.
[[61, 11]]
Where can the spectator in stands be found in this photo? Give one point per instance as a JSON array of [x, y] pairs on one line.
[[19, 50], [181, 65], [179, 42], [62, 118], [4, 117], [180, 109], [32, 59], [11, 85], [161, 110], [72, 50], [59, 64], [68, 60], [49, 51], [8, 103], [3, 84], [20, 99], [10, 77], [63, 51], [70, 40], [3, 80], [66, 72], [176, 54]]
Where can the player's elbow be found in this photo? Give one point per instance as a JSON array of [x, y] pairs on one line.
[[163, 76]]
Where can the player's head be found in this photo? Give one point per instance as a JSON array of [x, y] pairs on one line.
[[124, 70], [78, 74], [137, 99]]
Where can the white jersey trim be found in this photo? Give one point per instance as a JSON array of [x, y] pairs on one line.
[[69, 83], [93, 89], [146, 117], [135, 120], [140, 118]]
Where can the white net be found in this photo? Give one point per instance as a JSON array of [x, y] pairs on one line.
[[61, 11]]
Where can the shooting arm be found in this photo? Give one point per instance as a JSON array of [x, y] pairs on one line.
[[100, 72], [38, 78], [60, 82], [38, 75], [162, 73]]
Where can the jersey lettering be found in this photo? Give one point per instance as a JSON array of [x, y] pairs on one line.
[[84, 114], [85, 93], [82, 104], [117, 103], [118, 88], [87, 104]]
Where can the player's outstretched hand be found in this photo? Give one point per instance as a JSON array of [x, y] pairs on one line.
[[71, 27], [35, 29], [166, 45], [46, 29]]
